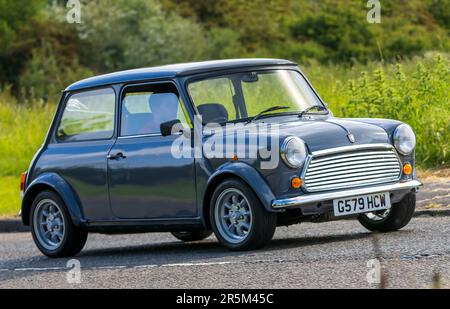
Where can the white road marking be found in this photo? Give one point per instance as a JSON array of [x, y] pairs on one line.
[[41, 269], [199, 264], [109, 267], [117, 267], [31, 269], [145, 266]]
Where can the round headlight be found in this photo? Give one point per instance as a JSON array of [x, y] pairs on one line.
[[404, 139], [293, 152]]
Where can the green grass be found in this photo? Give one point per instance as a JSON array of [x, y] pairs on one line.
[[416, 92], [22, 130], [9, 196]]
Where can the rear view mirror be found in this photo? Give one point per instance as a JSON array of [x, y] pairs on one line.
[[250, 77]]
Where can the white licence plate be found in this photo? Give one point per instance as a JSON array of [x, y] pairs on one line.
[[361, 204]]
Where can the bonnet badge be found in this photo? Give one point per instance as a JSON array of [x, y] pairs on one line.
[[351, 138]]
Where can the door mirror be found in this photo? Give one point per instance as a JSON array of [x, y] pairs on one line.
[[171, 127]]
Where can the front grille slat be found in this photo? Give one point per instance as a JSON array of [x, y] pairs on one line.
[[355, 169], [352, 178], [351, 164], [352, 169], [351, 185], [350, 175], [355, 159], [349, 155]]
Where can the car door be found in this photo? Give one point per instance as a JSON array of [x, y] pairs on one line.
[[145, 180], [83, 137]]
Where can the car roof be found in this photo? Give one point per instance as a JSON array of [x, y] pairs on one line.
[[172, 71]]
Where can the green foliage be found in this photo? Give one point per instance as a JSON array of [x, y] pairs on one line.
[[326, 30], [342, 31], [257, 24], [121, 34], [15, 15], [441, 12], [16, 24], [134, 33], [9, 196], [407, 28], [43, 44], [414, 92], [46, 74]]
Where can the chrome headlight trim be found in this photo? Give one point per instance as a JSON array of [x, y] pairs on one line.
[[404, 139], [293, 152]]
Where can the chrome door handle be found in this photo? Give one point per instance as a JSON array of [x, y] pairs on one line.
[[116, 156]]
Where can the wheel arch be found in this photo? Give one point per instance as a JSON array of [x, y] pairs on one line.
[[52, 182], [244, 172]]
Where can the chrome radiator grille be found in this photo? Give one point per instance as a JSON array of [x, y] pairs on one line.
[[351, 169]]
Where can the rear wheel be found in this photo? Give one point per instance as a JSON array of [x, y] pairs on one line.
[[238, 219], [192, 235], [51, 226], [393, 219]]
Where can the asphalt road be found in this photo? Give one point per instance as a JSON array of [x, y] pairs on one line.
[[327, 255]]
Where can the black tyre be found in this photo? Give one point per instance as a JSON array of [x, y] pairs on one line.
[[52, 228], [238, 219], [191, 235], [394, 219]]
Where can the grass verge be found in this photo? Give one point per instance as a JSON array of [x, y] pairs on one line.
[[9, 196]]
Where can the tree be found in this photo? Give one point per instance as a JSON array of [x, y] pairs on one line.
[[47, 73], [16, 26], [258, 23], [123, 34]]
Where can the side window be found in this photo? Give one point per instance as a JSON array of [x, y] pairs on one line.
[[144, 108], [208, 94], [88, 116]]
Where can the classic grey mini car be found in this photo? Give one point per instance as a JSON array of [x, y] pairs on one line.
[[235, 147]]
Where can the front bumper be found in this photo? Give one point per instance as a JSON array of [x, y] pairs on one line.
[[306, 199]]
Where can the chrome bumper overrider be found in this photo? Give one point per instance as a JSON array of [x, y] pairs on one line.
[[321, 197]]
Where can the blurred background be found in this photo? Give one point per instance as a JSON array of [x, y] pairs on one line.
[[398, 68]]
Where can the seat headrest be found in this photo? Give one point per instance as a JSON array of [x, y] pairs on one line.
[[213, 113]]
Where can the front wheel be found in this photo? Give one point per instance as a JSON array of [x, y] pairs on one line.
[[392, 219], [51, 226], [238, 219]]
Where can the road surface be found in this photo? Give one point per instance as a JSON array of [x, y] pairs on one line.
[[327, 255]]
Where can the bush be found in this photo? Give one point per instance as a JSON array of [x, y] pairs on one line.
[[46, 74], [420, 97], [123, 34]]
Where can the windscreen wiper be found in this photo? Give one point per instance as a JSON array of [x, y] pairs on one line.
[[306, 111], [272, 109]]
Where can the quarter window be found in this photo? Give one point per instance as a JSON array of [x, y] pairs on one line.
[[88, 116]]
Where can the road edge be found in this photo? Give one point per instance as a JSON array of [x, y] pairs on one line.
[[14, 225]]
